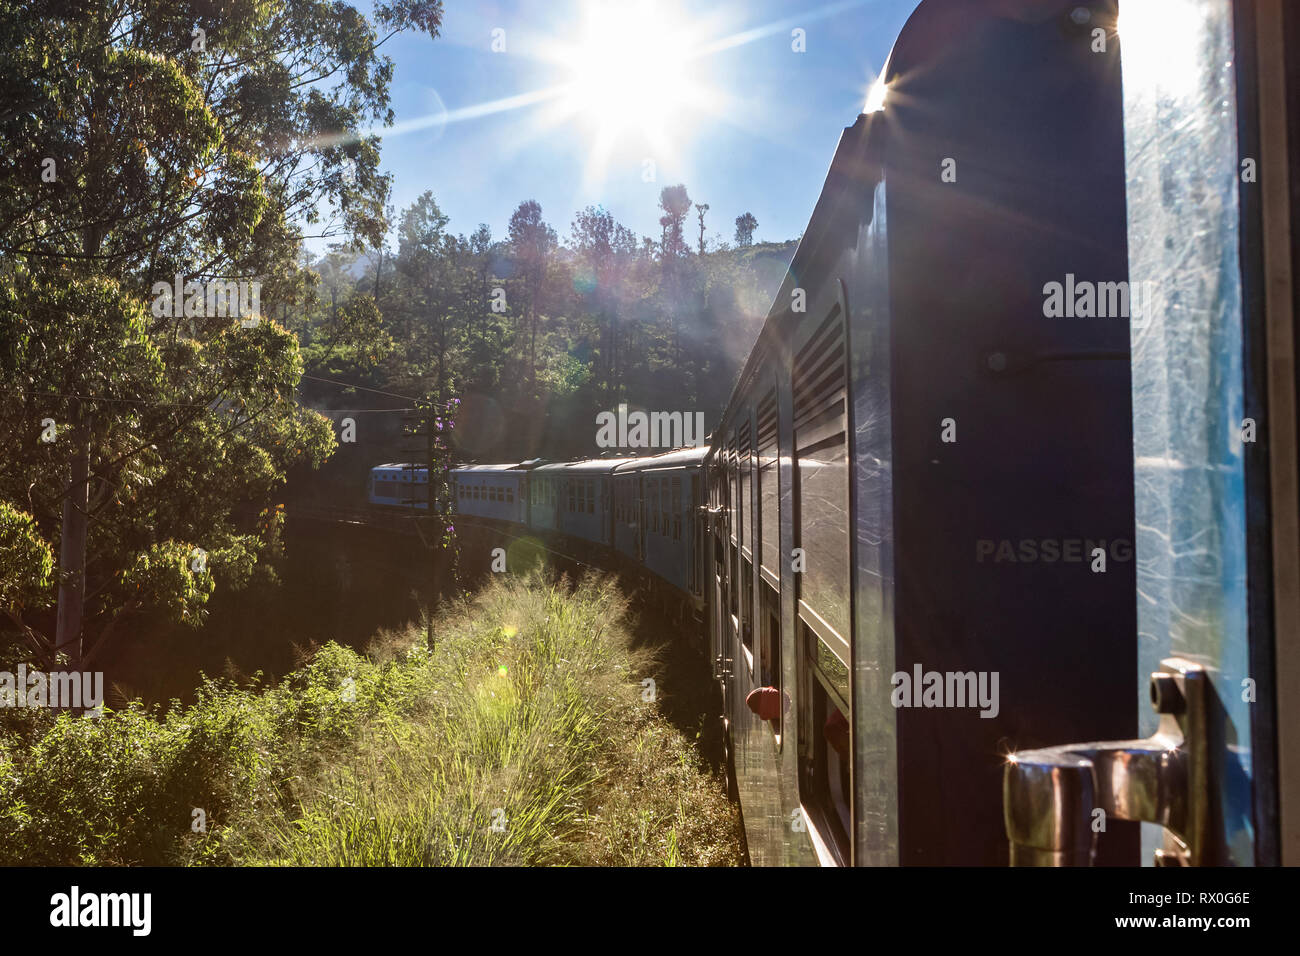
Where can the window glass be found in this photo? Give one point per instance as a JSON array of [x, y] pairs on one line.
[[769, 526], [676, 506], [769, 653], [821, 486]]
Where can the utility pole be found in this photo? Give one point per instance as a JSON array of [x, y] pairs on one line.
[[430, 420], [434, 583]]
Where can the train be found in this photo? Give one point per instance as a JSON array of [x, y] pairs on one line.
[[637, 514], [984, 519]]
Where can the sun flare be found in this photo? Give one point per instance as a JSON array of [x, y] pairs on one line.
[[631, 77]]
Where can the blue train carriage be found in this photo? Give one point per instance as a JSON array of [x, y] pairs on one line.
[[656, 524], [399, 485], [926, 411], [498, 492], [575, 499]]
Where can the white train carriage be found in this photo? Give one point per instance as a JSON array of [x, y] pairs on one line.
[[399, 485], [492, 491]]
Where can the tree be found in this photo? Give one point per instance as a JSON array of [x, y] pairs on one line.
[[676, 204], [533, 242], [745, 226], [149, 145], [700, 210], [607, 248]]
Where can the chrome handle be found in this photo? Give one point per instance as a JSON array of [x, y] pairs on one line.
[[1050, 796]]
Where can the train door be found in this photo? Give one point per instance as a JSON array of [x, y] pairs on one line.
[[1214, 434], [695, 536], [716, 563]]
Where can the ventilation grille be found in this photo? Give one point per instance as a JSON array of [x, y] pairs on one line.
[[767, 422], [818, 383]]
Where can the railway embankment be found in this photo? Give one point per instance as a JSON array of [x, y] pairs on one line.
[[531, 733]]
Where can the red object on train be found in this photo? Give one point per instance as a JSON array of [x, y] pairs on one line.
[[765, 701]]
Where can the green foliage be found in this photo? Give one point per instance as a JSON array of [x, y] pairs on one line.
[[527, 714], [168, 577], [26, 560], [146, 142]]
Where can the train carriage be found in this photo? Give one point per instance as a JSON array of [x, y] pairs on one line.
[[399, 485], [575, 498], [656, 517], [492, 491]]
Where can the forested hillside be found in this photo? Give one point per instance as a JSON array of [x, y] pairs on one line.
[[534, 331]]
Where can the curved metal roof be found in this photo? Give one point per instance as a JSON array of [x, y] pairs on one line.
[[485, 468], [677, 458], [589, 466]]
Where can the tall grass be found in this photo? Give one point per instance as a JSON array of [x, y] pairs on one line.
[[521, 739]]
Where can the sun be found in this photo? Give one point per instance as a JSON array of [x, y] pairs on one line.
[[630, 69], [630, 76]]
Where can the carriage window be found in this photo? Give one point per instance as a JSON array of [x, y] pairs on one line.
[[676, 509], [665, 520], [591, 496], [733, 495], [746, 589], [820, 390], [769, 521], [769, 648], [695, 535], [827, 769], [821, 477]]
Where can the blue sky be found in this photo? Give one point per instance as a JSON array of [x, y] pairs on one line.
[[748, 124]]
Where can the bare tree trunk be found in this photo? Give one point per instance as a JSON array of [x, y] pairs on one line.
[[72, 554]]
